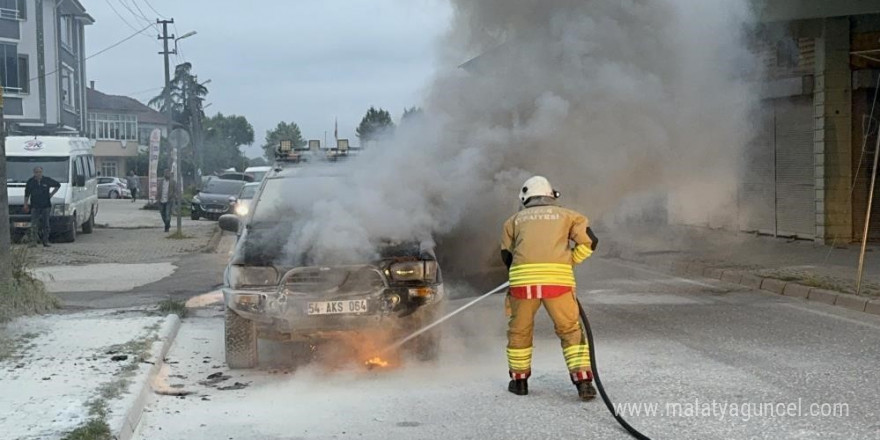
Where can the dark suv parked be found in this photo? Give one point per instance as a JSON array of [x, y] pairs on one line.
[[274, 292]]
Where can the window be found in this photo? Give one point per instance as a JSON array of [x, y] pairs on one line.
[[24, 78], [108, 168], [67, 32], [79, 171], [67, 88], [90, 165], [9, 67], [12, 9], [104, 126]]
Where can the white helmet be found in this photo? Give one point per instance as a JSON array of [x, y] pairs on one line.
[[537, 186]]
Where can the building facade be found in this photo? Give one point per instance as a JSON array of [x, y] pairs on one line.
[[42, 66], [806, 173], [119, 128]]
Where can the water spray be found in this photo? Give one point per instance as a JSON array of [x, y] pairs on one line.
[[589, 333]]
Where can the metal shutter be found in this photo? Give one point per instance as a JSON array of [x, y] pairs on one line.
[[757, 190], [795, 169]]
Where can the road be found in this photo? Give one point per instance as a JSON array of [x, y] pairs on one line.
[[675, 343], [128, 261]]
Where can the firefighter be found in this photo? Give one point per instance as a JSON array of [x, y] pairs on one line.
[[536, 247]]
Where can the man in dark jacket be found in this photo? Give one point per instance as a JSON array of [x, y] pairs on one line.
[[38, 194]]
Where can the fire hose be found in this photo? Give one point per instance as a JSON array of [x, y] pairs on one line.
[[589, 333]]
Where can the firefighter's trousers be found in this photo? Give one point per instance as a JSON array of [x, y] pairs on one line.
[[563, 310]]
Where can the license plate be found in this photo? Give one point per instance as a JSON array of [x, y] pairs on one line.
[[21, 225], [215, 210], [337, 307]]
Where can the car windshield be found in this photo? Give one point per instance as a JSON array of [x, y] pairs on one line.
[[279, 200], [258, 175], [248, 192], [220, 186], [20, 169]]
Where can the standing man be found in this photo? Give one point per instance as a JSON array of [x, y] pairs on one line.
[[133, 184], [167, 196], [536, 248], [38, 194]]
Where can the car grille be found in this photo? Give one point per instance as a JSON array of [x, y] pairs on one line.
[[223, 208], [338, 281], [16, 210]]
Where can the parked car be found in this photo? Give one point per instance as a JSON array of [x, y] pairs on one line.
[[245, 197], [113, 188], [245, 177], [275, 291], [215, 199], [258, 172], [70, 161]]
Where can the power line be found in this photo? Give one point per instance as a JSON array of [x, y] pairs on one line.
[[123, 18], [154, 9], [96, 53]]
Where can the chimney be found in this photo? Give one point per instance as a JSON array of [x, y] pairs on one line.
[[92, 85]]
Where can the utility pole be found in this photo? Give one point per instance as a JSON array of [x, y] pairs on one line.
[[174, 163], [5, 239]]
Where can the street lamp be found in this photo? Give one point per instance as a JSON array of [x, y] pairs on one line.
[[186, 35]]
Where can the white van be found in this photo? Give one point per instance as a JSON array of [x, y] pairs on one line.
[[258, 172], [70, 161]]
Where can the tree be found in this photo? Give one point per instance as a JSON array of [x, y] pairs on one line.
[[411, 114], [258, 162], [224, 137], [375, 125], [5, 239], [186, 96], [283, 131]]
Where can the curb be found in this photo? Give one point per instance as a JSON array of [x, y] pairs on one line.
[[214, 241], [779, 287], [160, 348]]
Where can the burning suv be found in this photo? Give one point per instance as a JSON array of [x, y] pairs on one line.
[[271, 295]]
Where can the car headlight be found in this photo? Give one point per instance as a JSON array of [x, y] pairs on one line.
[[243, 276], [197, 200], [59, 210], [241, 210], [414, 271]]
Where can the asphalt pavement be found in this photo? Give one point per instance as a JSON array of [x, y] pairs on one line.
[[706, 359]]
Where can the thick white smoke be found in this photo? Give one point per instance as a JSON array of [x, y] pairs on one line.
[[612, 100]]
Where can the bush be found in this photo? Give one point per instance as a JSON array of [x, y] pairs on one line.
[[24, 294]]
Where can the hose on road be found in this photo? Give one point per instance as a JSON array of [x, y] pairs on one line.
[[586, 324]]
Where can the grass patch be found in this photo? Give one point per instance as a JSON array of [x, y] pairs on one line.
[[173, 306], [24, 294], [95, 429], [138, 351]]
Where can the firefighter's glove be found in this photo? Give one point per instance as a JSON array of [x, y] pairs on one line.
[[580, 253]]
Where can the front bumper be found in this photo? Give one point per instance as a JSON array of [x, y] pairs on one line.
[[21, 223], [286, 315], [206, 209]]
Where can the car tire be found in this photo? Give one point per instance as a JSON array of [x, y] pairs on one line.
[[241, 341], [113, 195], [426, 347], [89, 225], [194, 215], [70, 235]]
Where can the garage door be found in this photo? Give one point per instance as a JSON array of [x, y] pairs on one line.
[[757, 197], [795, 169], [777, 195]]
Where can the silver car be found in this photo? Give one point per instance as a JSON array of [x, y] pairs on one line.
[[113, 188]]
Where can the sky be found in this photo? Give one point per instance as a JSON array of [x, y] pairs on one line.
[[306, 61]]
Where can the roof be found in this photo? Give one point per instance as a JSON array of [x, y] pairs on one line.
[[102, 102]]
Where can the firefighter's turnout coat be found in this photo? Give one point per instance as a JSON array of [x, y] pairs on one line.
[[537, 244]]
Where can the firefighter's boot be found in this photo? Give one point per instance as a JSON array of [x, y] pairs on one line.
[[520, 387], [586, 391]]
